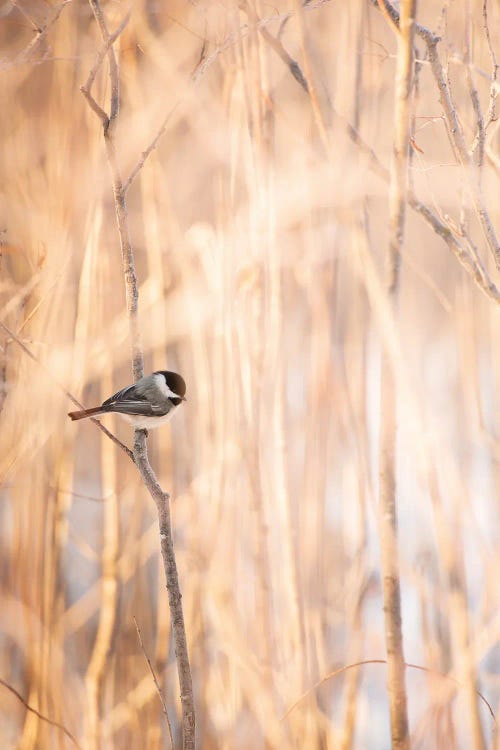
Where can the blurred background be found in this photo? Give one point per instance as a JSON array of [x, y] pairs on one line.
[[259, 228]]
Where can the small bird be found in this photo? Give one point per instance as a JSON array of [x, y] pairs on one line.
[[145, 404]]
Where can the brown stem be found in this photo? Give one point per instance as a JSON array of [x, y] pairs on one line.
[[388, 520], [41, 716], [156, 683], [161, 498]]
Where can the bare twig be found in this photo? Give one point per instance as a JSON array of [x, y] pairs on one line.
[[39, 715], [480, 138], [393, 17], [157, 684], [109, 50], [145, 154], [41, 33], [390, 17], [488, 39], [388, 514], [277, 46], [131, 287], [27, 16], [161, 498], [74, 400], [105, 49], [456, 244], [364, 662], [95, 106], [491, 115]]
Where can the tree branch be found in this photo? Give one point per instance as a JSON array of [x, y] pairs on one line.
[[106, 49], [473, 267], [38, 714], [156, 683], [161, 498], [74, 400], [388, 512], [40, 34], [145, 154], [364, 662]]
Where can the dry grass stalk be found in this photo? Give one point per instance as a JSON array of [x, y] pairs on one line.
[[388, 513]]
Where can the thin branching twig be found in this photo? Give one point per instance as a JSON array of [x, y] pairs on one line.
[[67, 393], [161, 498], [40, 33], [39, 715], [457, 245], [494, 89], [364, 662], [87, 88], [145, 154], [478, 145], [157, 684]]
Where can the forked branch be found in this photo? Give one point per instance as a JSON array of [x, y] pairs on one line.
[[141, 459]]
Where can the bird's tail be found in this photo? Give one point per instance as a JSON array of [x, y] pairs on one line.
[[86, 413]]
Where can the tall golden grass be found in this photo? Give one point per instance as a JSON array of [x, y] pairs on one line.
[[259, 228]]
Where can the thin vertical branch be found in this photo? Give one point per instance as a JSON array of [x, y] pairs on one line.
[[388, 427], [161, 498], [480, 139], [156, 683], [491, 115]]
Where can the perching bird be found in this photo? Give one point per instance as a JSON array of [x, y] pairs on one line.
[[145, 404]]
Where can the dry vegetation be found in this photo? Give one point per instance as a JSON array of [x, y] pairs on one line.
[[260, 225]]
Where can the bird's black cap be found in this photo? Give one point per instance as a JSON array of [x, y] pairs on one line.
[[174, 382]]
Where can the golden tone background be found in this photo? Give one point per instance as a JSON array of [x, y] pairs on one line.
[[259, 226]]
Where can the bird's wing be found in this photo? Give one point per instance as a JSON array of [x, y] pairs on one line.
[[128, 393], [138, 407], [131, 400]]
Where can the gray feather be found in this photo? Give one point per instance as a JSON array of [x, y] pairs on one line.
[[141, 398], [142, 408]]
